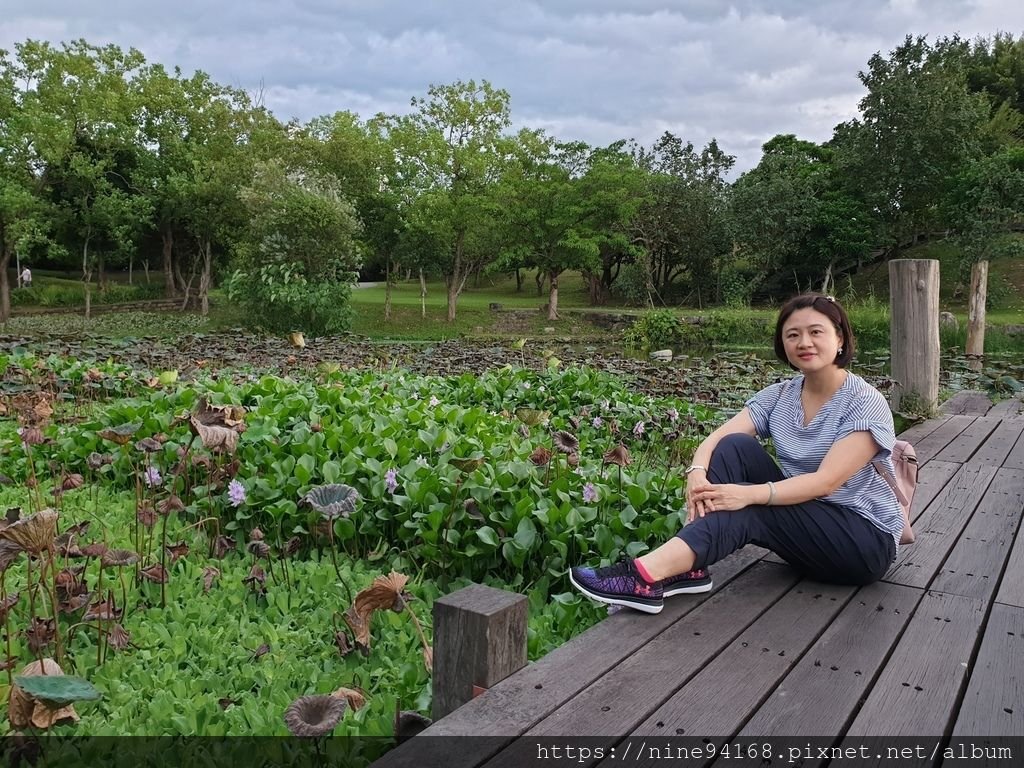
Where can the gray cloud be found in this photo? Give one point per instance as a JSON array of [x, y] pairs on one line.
[[597, 70]]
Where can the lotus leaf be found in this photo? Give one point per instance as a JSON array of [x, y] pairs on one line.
[[121, 434], [332, 501], [58, 690]]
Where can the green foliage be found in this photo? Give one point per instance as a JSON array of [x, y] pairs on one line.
[[657, 328], [279, 298]]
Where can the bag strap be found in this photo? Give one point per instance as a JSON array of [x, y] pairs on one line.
[[891, 482]]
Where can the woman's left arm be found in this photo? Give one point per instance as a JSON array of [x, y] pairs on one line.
[[844, 459]]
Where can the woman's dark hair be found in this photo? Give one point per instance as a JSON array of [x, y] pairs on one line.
[[829, 307]]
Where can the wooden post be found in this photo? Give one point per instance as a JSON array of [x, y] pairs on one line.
[[976, 309], [914, 335], [479, 640]]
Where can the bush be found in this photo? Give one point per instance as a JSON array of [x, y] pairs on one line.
[[279, 298], [657, 328], [631, 285]]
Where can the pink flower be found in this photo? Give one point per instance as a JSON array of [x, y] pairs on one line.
[[391, 480], [589, 493], [597, 422], [152, 476], [638, 429]]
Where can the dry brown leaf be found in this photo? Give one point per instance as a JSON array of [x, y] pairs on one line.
[[215, 437], [356, 699], [34, 533], [209, 574], [382, 594], [428, 658]]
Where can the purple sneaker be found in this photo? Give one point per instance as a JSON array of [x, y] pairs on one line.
[[618, 584], [690, 583]]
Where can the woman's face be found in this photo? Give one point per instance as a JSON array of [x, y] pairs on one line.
[[811, 341]]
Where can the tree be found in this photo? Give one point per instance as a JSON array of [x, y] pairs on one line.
[[919, 124], [80, 94], [682, 222], [300, 256], [24, 213], [451, 148], [794, 219]]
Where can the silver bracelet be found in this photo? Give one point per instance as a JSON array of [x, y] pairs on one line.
[[771, 493], [694, 468]]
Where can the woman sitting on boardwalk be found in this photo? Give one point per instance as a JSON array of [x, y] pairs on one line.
[[827, 511]]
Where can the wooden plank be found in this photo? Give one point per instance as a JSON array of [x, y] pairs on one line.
[[824, 689], [1009, 408], [718, 700], [916, 693], [1015, 460], [928, 446], [939, 526], [976, 561], [931, 480], [994, 702], [968, 402], [624, 697], [922, 429], [1011, 587], [516, 703], [964, 445], [999, 444]]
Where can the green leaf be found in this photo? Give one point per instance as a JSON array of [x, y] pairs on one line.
[[526, 534], [487, 535], [58, 690]]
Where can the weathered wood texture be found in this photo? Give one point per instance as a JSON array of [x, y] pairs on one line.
[[1007, 409], [976, 309], [967, 402], [914, 334], [977, 559], [1011, 588], [479, 640], [717, 701], [939, 525], [963, 446], [913, 695], [994, 702], [928, 446], [823, 691]]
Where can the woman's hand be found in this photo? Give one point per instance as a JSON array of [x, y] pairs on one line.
[[696, 483], [707, 497]]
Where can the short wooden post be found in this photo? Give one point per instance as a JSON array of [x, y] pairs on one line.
[[976, 309], [479, 640], [914, 334]]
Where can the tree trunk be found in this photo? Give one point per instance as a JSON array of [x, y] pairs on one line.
[[553, 297], [976, 309], [131, 263], [87, 278], [423, 295], [205, 278], [453, 296], [167, 236], [540, 282], [519, 280], [387, 290], [5, 285]]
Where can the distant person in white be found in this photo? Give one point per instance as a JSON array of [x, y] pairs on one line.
[[26, 278]]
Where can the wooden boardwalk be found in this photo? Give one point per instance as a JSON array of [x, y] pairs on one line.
[[936, 649]]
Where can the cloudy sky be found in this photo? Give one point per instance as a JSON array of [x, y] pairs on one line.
[[596, 70]]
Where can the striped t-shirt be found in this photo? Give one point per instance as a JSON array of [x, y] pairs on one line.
[[778, 413]]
